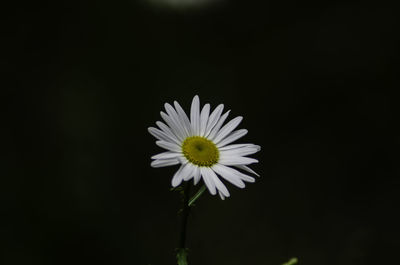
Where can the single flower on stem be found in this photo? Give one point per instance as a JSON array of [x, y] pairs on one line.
[[202, 146]]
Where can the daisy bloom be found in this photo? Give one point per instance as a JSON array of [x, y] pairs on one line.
[[202, 146]]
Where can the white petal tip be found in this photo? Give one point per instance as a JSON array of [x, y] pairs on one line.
[[196, 99], [155, 164], [212, 192], [175, 183], [223, 196]]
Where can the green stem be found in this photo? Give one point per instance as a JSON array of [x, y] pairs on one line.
[[197, 195]]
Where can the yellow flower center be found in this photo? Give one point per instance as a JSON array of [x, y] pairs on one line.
[[200, 151]]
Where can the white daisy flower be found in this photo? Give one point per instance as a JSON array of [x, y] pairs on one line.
[[203, 147]]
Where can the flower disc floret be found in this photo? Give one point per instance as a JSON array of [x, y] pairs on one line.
[[200, 151]]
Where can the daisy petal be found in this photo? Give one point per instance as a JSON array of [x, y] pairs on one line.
[[218, 183], [178, 177], [175, 118], [160, 135], [236, 160], [213, 119], [228, 128], [233, 172], [205, 112], [245, 177], [221, 195], [169, 146], [226, 173], [195, 115], [244, 151], [176, 129], [197, 175], [235, 146], [232, 137], [168, 131], [164, 162], [208, 180], [184, 118], [166, 155], [246, 168], [188, 171], [217, 126]]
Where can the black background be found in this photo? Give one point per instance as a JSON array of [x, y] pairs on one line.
[[315, 82]]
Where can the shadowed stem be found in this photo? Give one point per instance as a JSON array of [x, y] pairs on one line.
[[185, 215], [182, 251], [188, 202]]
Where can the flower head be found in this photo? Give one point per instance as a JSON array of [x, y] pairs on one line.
[[202, 146]]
